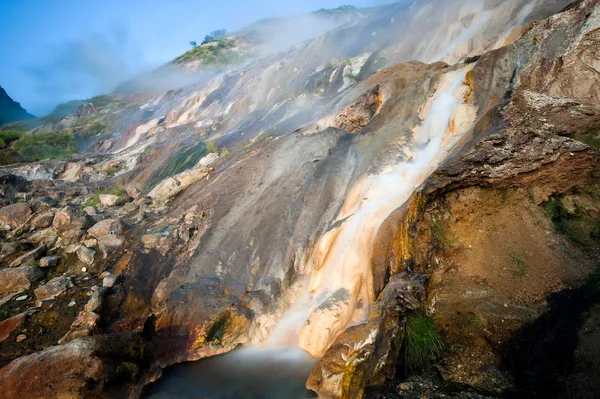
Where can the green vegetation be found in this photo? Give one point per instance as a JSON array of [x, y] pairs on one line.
[[336, 11], [422, 342], [520, 264], [101, 101], [575, 225], [439, 231], [590, 139], [87, 127], [9, 136], [35, 147], [94, 200], [213, 36], [214, 54], [62, 110], [188, 158]]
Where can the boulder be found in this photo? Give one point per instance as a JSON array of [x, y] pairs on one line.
[[111, 200], [93, 367], [53, 288], [68, 218], [110, 243], [214, 321], [87, 320], [73, 236], [13, 216], [30, 257], [90, 210], [42, 221], [172, 186], [105, 227], [19, 278], [47, 237]]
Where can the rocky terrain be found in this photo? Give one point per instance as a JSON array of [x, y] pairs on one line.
[[420, 165]]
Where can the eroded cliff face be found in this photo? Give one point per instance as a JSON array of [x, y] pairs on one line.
[[340, 178]]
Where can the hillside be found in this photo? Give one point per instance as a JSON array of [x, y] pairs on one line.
[[10, 110]]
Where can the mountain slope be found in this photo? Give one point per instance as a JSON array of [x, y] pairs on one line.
[[10, 110]]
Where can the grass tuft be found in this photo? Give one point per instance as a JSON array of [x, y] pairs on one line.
[[440, 232], [423, 343]]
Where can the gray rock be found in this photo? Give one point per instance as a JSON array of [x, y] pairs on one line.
[[49, 261], [53, 288], [19, 278], [86, 255], [110, 243], [105, 227], [90, 210], [110, 280], [111, 200], [209, 159]]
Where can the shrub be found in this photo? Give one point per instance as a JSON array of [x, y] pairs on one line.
[[422, 343], [9, 136]]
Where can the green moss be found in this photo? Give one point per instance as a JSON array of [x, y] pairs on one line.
[[422, 342], [440, 233], [588, 138], [9, 136]]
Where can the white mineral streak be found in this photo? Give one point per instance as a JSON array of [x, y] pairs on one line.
[[340, 287]]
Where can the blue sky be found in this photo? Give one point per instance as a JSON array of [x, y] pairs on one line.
[[57, 50]]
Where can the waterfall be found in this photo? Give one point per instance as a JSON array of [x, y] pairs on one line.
[[340, 290]]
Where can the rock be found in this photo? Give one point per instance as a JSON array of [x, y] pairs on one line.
[[87, 368], [47, 237], [90, 243], [21, 338], [187, 331], [86, 255], [42, 221], [105, 227], [30, 257], [110, 280], [67, 218], [49, 261], [130, 207], [90, 210], [366, 354], [72, 237], [53, 288], [19, 278], [13, 216], [405, 386], [21, 298], [111, 200], [110, 243], [172, 186], [209, 159], [87, 320], [9, 325]]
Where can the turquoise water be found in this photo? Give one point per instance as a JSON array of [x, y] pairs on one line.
[[248, 373]]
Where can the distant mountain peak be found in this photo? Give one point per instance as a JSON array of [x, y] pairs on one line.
[[10, 110]]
